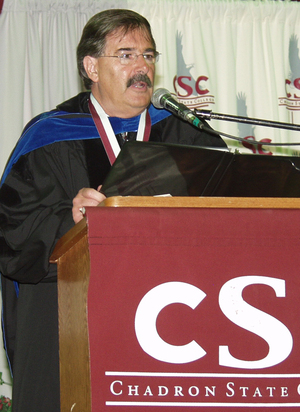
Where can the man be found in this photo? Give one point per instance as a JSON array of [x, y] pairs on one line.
[[56, 169]]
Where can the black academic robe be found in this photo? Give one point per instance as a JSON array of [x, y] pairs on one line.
[[35, 211]]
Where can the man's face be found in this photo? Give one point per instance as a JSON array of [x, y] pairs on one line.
[[123, 90]]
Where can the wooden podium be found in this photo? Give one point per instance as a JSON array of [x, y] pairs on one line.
[[186, 303]]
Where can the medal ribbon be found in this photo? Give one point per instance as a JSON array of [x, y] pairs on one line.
[[107, 134]]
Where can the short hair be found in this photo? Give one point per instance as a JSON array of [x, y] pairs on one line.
[[95, 32]]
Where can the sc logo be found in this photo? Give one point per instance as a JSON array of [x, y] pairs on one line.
[[289, 85], [186, 83]]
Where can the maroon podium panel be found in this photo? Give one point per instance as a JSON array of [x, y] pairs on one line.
[[194, 309]]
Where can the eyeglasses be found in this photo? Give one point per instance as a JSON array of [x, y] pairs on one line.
[[130, 58]]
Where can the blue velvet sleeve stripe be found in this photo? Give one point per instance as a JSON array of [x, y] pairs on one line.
[[56, 126]]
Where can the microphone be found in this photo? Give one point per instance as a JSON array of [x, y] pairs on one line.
[[162, 99]]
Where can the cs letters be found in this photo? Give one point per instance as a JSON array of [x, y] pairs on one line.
[[233, 306]]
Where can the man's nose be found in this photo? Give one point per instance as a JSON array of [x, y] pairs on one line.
[[141, 64]]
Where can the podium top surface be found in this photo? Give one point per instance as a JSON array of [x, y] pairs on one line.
[[202, 202]]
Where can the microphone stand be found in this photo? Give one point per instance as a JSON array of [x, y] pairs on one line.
[[208, 115]]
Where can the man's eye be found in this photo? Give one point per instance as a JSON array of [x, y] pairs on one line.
[[126, 56], [148, 57]]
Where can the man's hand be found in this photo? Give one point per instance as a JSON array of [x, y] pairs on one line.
[[85, 197]]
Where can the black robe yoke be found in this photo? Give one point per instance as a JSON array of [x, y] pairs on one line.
[[35, 211]]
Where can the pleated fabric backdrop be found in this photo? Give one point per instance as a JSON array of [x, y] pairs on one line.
[[233, 57]]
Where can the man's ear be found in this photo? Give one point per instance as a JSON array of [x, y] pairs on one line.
[[90, 65]]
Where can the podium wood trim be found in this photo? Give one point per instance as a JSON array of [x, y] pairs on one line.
[[71, 255], [203, 202]]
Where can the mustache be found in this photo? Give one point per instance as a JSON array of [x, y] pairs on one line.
[[139, 78]]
